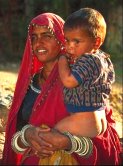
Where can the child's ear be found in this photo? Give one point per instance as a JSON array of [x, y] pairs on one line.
[[98, 43]]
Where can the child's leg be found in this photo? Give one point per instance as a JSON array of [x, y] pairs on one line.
[[88, 124]]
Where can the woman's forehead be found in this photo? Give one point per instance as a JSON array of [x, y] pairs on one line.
[[37, 28]]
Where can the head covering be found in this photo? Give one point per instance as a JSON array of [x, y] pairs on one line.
[[52, 21], [55, 24]]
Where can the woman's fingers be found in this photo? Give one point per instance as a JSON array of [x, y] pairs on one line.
[[44, 143], [44, 152], [37, 143]]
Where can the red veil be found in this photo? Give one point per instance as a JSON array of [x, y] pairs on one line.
[[49, 107]]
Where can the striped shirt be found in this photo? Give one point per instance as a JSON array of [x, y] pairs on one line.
[[95, 74]]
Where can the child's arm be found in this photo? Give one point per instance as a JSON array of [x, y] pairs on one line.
[[67, 78], [87, 124]]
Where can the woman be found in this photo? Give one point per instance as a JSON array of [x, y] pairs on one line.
[[39, 92]]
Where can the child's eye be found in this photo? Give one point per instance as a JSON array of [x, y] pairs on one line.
[[76, 41]]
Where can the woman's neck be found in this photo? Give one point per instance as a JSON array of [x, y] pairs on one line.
[[48, 67]]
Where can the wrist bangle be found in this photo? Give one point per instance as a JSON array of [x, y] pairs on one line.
[[73, 142], [23, 134], [83, 146], [15, 145]]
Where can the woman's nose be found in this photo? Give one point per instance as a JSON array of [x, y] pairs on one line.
[[39, 41]]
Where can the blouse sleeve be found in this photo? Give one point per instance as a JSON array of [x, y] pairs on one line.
[[87, 68]]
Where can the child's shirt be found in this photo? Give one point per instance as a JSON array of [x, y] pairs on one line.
[[95, 74]]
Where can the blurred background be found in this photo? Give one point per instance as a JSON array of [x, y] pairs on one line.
[[15, 16]]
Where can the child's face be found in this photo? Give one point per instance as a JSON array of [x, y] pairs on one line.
[[78, 42]]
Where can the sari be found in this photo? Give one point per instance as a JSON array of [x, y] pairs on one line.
[[49, 107]]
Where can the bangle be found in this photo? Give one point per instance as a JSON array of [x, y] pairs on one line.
[[15, 145], [23, 134], [86, 147], [83, 146], [73, 142], [79, 142]]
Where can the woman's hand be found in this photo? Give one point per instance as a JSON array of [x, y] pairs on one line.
[[46, 141], [38, 145], [58, 140]]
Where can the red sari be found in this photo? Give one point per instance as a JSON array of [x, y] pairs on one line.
[[49, 107]]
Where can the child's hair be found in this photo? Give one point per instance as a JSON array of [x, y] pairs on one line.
[[89, 20]]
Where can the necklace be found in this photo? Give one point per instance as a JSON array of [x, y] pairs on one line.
[[40, 77], [33, 88]]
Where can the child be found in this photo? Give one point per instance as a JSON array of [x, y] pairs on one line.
[[87, 82]]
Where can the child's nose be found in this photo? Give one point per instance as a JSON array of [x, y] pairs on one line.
[[70, 48], [71, 44]]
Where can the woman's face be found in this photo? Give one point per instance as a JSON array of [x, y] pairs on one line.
[[44, 44]]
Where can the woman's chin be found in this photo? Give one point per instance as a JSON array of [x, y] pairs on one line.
[[41, 57]]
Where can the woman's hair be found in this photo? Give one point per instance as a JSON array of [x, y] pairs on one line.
[[89, 20]]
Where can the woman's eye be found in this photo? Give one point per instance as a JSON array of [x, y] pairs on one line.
[[33, 38]]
